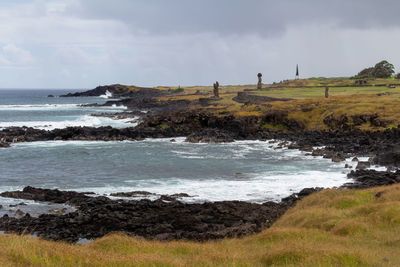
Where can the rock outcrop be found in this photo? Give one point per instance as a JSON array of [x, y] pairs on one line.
[[4, 144], [118, 90], [248, 98], [372, 178], [160, 219]]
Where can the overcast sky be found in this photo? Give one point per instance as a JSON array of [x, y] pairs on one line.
[[85, 43]]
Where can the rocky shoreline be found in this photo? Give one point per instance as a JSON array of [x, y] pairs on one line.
[[166, 218], [383, 147], [160, 219], [177, 118]]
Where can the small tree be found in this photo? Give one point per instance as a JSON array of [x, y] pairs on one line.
[[366, 73], [383, 70]]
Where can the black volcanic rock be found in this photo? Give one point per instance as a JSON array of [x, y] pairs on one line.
[[372, 178], [389, 157], [247, 98], [4, 144], [47, 195], [163, 220], [118, 90]]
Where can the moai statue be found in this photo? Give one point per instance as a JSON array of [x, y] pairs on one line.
[[259, 84], [216, 89], [326, 92]]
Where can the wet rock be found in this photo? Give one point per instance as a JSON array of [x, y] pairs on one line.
[[47, 195], [338, 158], [388, 158], [180, 195], [292, 199], [98, 216], [19, 212], [362, 165], [4, 145], [318, 152], [372, 178], [16, 205], [210, 136], [132, 194], [58, 211]]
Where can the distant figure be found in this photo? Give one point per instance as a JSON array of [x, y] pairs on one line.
[[326, 92], [216, 89], [259, 84], [297, 72]]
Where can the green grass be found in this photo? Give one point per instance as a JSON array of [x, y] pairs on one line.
[[164, 126], [313, 92]]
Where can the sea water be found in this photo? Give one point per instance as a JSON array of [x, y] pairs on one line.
[[254, 171], [32, 108]]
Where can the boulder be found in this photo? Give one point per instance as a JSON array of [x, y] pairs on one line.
[[372, 178], [388, 158], [362, 165], [4, 145]]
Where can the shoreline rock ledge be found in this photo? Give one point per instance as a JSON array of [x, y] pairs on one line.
[[159, 219]]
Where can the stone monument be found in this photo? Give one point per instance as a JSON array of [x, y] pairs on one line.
[[326, 92], [216, 89], [259, 84]]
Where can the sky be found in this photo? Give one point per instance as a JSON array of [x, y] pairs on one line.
[[86, 43]]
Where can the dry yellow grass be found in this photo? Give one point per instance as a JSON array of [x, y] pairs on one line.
[[313, 111], [309, 105], [330, 228]]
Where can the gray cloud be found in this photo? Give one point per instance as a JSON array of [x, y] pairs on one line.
[[264, 17], [84, 43]]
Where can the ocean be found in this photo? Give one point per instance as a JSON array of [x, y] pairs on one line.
[[254, 171]]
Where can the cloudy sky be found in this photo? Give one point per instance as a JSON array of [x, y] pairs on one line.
[[85, 43]]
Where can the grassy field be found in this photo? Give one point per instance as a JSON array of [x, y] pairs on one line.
[[309, 104], [302, 85], [330, 228], [311, 92]]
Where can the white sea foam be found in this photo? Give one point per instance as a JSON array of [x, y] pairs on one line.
[[50, 107], [178, 140], [85, 120], [39, 107], [108, 94], [259, 188]]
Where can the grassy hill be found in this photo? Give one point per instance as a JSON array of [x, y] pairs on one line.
[[330, 228]]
